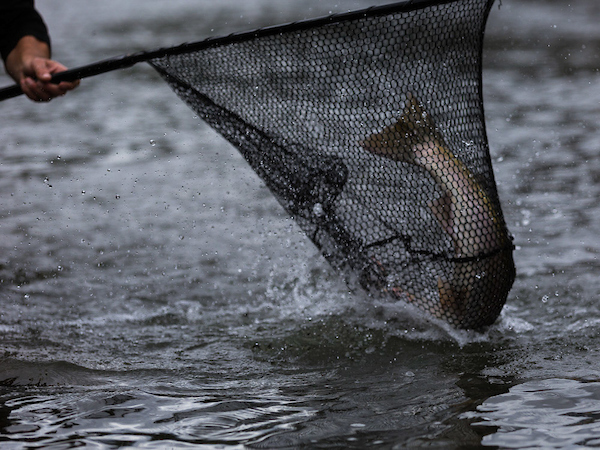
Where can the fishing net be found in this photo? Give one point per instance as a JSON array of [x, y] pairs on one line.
[[368, 127]]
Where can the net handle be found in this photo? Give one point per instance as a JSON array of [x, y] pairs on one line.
[[124, 61], [107, 65]]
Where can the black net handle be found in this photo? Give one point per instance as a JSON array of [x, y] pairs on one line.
[[124, 61]]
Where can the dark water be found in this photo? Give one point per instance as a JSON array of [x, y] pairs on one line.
[[154, 295]]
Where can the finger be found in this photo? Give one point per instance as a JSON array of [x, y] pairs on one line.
[[54, 67], [44, 92], [32, 90], [56, 90], [42, 69], [40, 90], [49, 90], [68, 85]]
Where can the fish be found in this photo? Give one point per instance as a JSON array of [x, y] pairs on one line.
[[464, 210]]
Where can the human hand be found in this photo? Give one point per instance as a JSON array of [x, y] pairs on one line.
[[36, 76], [30, 65]]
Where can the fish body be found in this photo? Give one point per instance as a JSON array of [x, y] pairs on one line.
[[474, 282], [465, 211]]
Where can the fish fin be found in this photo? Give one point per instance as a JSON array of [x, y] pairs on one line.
[[397, 141], [442, 210]]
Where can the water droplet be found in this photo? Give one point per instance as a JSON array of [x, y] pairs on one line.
[[318, 209], [152, 142]]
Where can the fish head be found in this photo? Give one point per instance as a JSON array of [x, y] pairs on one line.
[[410, 138]]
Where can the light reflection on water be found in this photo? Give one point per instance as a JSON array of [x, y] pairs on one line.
[[553, 413], [154, 293], [129, 416]]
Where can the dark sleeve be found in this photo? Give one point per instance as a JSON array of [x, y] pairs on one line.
[[18, 18]]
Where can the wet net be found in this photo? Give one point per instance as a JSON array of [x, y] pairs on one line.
[[368, 127]]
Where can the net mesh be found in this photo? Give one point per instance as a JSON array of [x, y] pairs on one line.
[[369, 130]]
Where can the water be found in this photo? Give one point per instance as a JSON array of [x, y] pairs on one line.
[[154, 295]]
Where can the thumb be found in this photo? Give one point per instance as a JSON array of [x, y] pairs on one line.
[[41, 69]]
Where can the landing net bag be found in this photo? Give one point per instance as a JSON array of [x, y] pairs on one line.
[[368, 127]]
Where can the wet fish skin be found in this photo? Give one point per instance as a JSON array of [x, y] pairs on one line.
[[475, 283], [464, 210]]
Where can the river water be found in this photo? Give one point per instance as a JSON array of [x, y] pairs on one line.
[[155, 295]]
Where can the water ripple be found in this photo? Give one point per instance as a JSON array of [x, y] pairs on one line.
[[552, 413]]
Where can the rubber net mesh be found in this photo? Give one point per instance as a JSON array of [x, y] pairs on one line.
[[369, 130]]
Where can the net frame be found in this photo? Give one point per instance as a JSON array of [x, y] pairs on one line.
[[449, 274]]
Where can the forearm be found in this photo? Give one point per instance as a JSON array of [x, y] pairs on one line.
[[18, 18], [25, 48]]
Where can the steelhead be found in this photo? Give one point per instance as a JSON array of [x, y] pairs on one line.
[[482, 247], [464, 210]]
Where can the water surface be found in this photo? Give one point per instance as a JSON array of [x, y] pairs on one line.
[[154, 294]]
